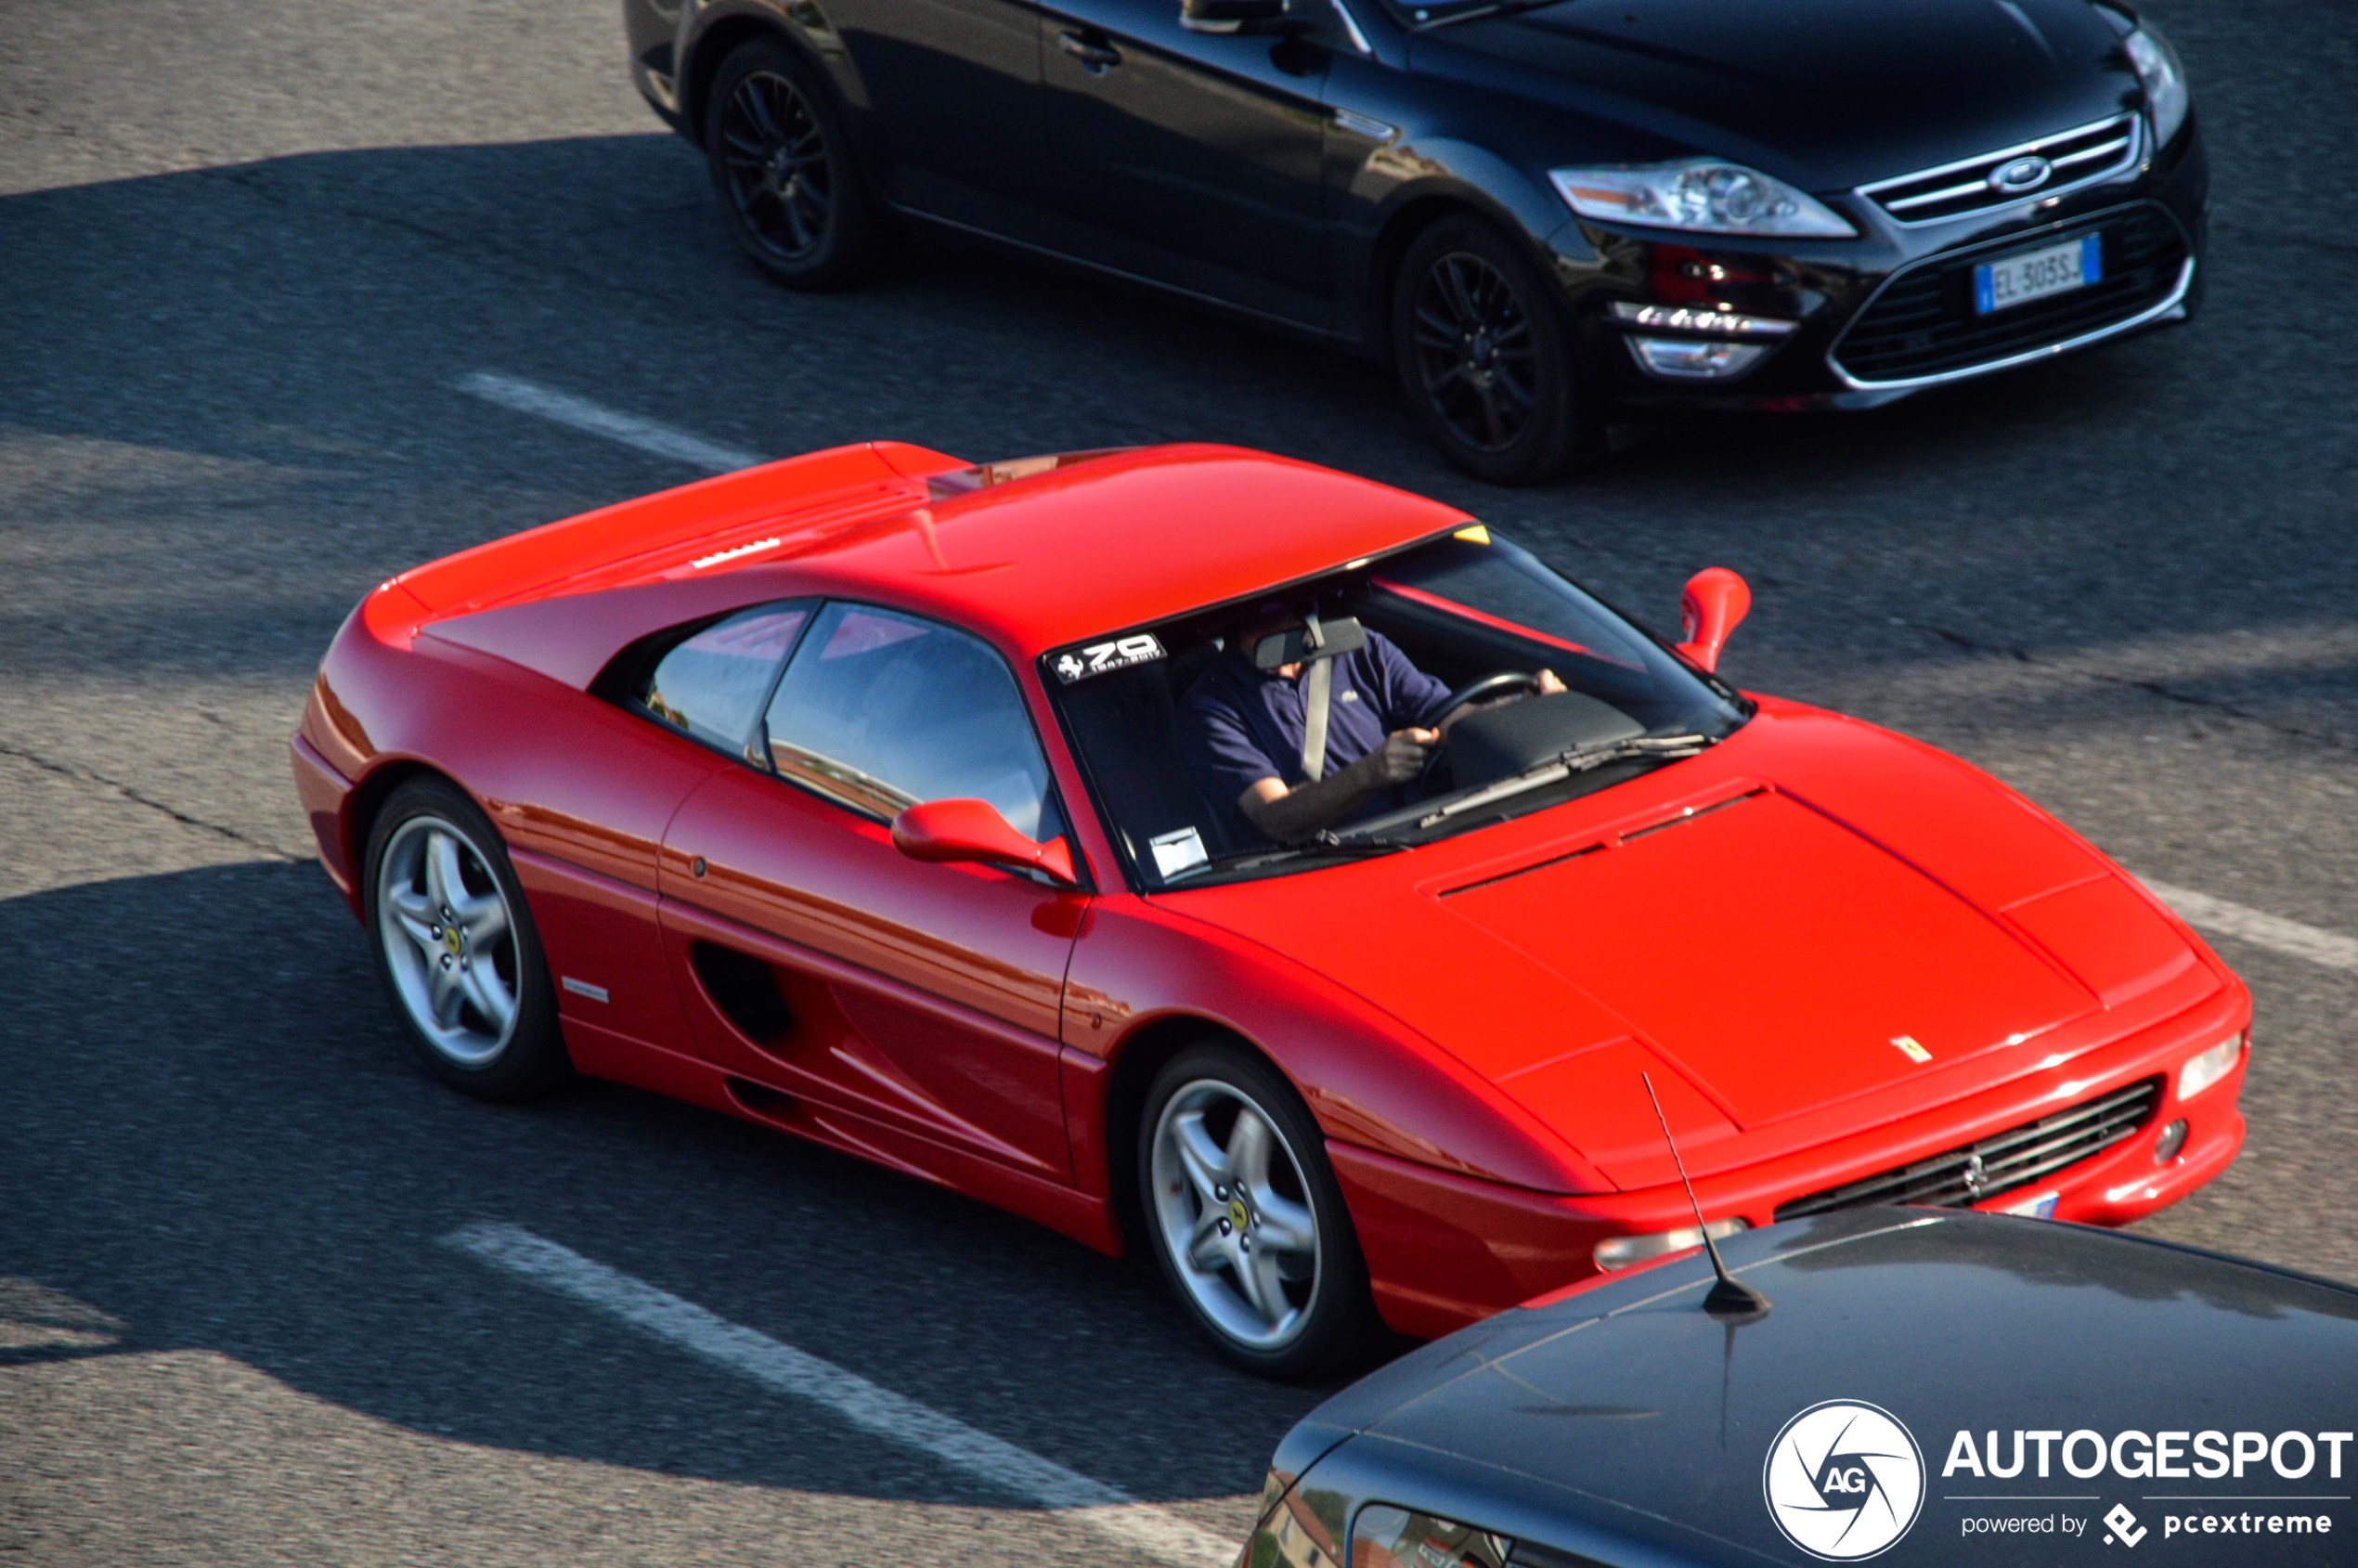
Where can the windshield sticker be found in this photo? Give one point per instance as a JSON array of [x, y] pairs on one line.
[[1175, 852], [1101, 659]]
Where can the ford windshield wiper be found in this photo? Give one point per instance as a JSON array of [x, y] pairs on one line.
[[1495, 8], [1568, 764]]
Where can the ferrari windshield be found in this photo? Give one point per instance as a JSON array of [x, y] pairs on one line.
[[1464, 681]]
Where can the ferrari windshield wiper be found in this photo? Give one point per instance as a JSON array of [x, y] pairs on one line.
[[1568, 764], [1496, 9]]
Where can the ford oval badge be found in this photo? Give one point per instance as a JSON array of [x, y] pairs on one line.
[[2017, 176]]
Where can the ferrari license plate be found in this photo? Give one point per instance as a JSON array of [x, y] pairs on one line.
[[2033, 275]]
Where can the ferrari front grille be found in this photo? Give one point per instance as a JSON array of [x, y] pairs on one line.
[[2062, 162], [2013, 1159]]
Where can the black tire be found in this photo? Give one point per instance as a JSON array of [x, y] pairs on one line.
[[788, 183], [449, 962], [1481, 344], [1333, 1317]]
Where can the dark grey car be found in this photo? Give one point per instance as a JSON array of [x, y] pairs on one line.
[[1941, 1386]]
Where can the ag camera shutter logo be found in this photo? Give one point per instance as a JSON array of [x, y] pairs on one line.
[[1844, 1481]]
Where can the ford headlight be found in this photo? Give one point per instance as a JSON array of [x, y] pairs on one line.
[[1700, 196], [2165, 78]]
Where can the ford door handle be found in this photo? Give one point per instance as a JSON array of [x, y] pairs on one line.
[[1095, 59]]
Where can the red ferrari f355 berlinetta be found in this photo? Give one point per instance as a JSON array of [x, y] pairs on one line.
[[892, 801]]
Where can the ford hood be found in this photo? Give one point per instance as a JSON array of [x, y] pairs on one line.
[[1825, 93]]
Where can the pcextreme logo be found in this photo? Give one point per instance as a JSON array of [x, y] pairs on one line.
[[1843, 1480]]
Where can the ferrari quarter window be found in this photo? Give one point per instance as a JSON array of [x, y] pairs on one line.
[[880, 711], [711, 684]]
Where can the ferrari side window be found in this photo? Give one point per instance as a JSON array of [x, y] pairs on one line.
[[711, 684], [879, 711]]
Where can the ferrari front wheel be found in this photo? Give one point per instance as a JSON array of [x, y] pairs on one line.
[[455, 946], [1246, 1218]]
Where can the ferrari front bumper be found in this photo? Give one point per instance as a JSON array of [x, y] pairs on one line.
[[1445, 1250]]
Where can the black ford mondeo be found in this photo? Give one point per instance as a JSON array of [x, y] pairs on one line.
[[1544, 213]]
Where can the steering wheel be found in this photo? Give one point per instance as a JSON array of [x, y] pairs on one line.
[[1485, 688]]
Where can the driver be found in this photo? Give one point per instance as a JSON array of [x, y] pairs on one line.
[[1242, 731]]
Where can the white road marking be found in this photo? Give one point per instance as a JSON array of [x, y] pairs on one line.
[[526, 397], [1114, 1513], [2200, 910], [2272, 931]]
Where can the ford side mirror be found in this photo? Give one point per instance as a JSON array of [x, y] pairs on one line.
[[973, 830], [1714, 603], [1235, 16]]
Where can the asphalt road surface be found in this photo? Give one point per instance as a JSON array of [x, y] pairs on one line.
[[247, 254]]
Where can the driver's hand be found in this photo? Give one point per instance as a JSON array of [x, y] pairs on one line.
[[1401, 757], [1549, 683]]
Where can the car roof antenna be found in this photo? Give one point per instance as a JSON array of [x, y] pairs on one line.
[[1730, 1299]]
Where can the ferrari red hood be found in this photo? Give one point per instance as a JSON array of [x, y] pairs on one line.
[[1794, 965], [1788, 941]]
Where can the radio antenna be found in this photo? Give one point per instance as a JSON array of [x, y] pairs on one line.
[[1729, 1298]]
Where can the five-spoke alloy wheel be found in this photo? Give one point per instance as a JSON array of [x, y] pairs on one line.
[[1245, 1216], [1480, 343], [789, 189], [455, 944]]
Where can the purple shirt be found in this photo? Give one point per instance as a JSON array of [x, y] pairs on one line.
[[1238, 725]]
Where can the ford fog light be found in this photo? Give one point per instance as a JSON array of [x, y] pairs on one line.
[[2172, 1139], [2202, 1071], [1620, 1251], [1690, 359]]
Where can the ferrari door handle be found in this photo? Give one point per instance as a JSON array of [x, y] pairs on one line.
[[1095, 59]]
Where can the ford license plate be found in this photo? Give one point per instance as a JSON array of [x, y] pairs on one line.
[[2033, 275]]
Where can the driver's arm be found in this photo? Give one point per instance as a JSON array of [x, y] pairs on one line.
[[1549, 684], [1285, 816]]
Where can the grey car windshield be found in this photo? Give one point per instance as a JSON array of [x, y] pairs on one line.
[[1566, 676]]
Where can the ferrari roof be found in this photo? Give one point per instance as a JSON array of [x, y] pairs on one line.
[[1037, 552]]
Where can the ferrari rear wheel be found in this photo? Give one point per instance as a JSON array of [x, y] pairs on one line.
[[455, 947], [1246, 1218]]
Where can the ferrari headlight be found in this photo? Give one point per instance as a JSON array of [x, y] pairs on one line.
[[1700, 195], [1620, 1251], [2200, 1072], [2165, 78]]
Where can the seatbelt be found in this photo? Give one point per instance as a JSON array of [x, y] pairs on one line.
[[1318, 687]]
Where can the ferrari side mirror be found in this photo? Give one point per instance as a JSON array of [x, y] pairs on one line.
[[973, 830], [1714, 603]]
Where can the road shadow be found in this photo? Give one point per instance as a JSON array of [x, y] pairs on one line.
[[276, 400], [213, 1139]]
